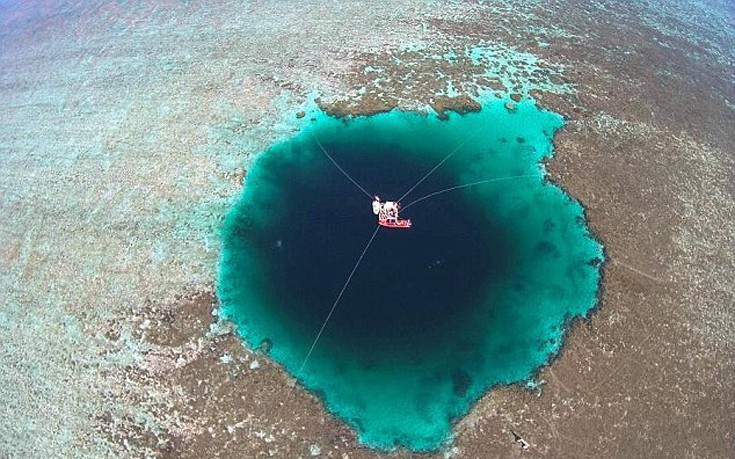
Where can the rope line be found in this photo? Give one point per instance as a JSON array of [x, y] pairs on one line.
[[342, 170], [334, 306], [446, 190], [437, 166]]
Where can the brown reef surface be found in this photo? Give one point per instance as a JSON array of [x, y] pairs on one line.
[[125, 134]]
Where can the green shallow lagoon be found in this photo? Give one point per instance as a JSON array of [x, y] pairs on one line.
[[476, 294]]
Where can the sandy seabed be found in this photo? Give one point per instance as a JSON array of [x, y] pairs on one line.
[[126, 132]]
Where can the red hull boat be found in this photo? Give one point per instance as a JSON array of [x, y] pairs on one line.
[[395, 223], [387, 213]]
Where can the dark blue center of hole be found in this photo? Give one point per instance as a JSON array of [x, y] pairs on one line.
[[413, 286]]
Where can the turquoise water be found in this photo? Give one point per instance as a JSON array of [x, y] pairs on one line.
[[475, 295]]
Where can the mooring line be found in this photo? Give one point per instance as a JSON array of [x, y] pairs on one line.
[[334, 306], [637, 271], [467, 139], [430, 195], [340, 168]]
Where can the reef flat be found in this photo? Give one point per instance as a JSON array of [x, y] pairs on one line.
[[128, 130]]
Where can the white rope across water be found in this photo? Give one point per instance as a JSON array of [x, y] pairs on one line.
[[467, 139], [334, 306], [467, 185], [342, 170]]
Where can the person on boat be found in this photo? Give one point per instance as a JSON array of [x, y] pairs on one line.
[[377, 205], [391, 209]]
